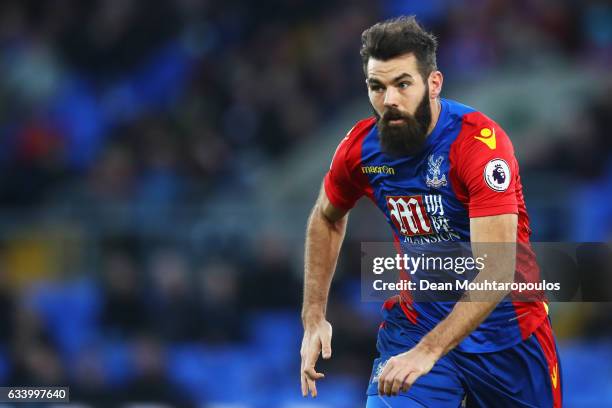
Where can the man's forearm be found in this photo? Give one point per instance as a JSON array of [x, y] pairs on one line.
[[476, 305], [464, 318], [323, 241]]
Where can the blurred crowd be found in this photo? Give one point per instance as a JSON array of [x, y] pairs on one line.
[[184, 100], [124, 331], [179, 101], [144, 112]]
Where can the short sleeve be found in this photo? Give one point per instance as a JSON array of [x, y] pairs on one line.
[[341, 190], [344, 183], [488, 170]]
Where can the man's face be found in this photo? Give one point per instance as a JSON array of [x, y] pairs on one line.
[[400, 97]]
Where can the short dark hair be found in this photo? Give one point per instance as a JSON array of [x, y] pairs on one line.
[[399, 36]]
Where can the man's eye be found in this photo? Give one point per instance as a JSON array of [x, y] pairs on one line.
[[376, 88], [403, 85]]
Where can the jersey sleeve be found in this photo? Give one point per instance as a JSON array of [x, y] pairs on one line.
[[487, 170], [344, 184]]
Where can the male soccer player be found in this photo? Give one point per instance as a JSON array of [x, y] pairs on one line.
[[454, 177]]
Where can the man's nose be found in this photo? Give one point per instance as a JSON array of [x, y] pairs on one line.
[[391, 97]]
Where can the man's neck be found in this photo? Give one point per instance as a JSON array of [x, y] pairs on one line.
[[436, 108]]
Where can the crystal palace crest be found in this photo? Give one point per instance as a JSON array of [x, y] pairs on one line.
[[435, 180]]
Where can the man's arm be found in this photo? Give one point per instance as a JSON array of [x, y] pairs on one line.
[[324, 236], [403, 370]]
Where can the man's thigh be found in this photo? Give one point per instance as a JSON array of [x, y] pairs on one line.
[[440, 388], [526, 375]]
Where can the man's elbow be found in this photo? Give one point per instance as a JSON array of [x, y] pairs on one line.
[[333, 218]]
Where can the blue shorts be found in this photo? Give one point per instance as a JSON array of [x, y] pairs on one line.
[[525, 375]]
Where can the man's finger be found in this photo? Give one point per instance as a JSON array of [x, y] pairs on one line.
[[388, 384], [397, 383], [381, 384], [304, 385], [312, 355], [404, 386], [387, 369], [311, 373], [312, 386], [302, 375], [409, 380], [327, 351], [385, 382], [309, 370], [326, 344]]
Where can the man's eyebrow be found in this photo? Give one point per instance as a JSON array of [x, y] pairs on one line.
[[396, 79], [402, 76], [373, 81]]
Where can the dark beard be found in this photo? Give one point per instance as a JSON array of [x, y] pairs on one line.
[[405, 139]]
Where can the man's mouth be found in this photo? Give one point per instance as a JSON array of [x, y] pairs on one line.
[[395, 121]]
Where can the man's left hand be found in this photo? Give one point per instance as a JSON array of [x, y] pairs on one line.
[[403, 370]]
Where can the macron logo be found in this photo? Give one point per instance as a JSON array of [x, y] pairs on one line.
[[487, 136]]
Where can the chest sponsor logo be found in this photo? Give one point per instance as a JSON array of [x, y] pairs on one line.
[[377, 170], [421, 218], [433, 178], [408, 214]]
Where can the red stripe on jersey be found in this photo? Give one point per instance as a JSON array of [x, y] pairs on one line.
[[405, 296], [529, 316], [409, 311], [546, 340], [389, 303]]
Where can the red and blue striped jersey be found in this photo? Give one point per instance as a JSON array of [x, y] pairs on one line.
[[466, 169]]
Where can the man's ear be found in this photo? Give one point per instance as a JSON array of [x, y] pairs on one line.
[[435, 81]]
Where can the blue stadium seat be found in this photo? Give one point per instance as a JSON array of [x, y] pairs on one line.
[[275, 332], [69, 311], [118, 366], [587, 373]]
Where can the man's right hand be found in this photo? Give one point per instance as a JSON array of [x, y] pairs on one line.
[[317, 339]]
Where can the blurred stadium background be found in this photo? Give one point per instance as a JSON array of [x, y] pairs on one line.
[[159, 160]]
